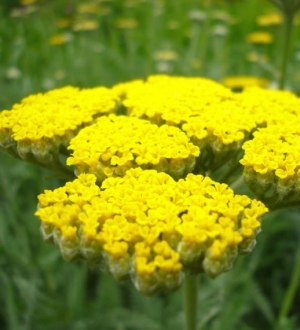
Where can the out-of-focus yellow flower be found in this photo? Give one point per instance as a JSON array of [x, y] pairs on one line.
[[85, 25], [270, 19], [260, 37], [126, 23], [241, 82], [150, 229], [60, 38]]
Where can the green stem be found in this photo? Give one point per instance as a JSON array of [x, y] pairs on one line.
[[190, 301], [292, 289], [288, 20]]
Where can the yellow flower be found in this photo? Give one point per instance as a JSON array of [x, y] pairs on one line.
[[61, 38], [43, 123], [115, 144], [270, 19], [260, 37], [272, 160], [206, 111], [240, 82], [150, 229]]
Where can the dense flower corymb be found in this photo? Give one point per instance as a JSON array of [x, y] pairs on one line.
[[206, 111], [149, 228], [115, 144], [272, 161], [42, 123]]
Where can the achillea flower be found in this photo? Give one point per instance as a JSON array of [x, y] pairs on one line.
[[260, 37], [240, 82], [114, 144], [60, 38], [269, 106], [206, 111], [41, 124], [270, 19], [272, 161], [150, 229]]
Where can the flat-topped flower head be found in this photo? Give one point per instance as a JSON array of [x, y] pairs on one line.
[[205, 110], [150, 229], [168, 99], [115, 144], [42, 123], [268, 106], [272, 162]]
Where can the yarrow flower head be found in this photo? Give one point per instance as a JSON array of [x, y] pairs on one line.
[[150, 229], [41, 124], [115, 144], [272, 162], [206, 111]]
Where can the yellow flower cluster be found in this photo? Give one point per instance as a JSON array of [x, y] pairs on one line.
[[114, 144], [206, 111], [268, 107], [42, 123], [149, 228], [272, 160]]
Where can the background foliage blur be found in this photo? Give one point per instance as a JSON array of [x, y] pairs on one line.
[[48, 44]]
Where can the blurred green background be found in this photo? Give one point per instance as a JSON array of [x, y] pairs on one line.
[[48, 44]]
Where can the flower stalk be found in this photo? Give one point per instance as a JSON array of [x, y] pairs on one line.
[[190, 289]]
